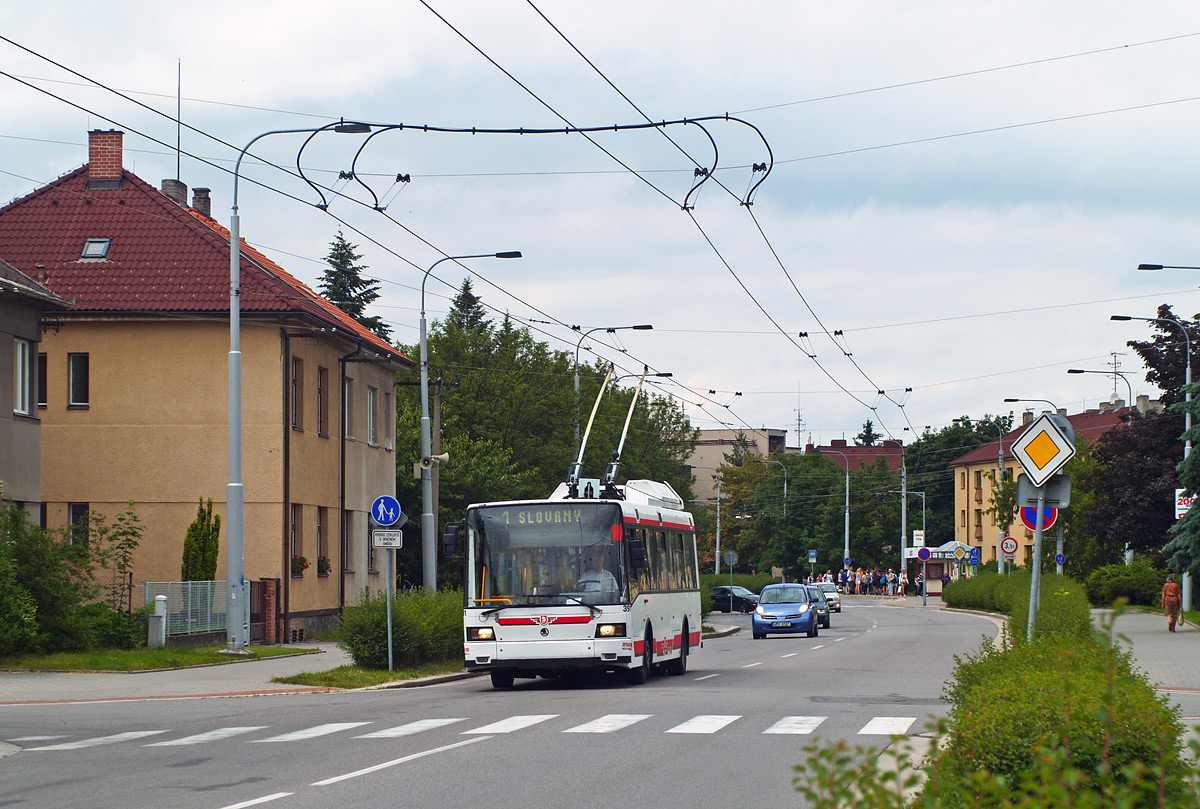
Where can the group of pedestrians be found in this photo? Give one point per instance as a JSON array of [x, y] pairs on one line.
[[873, 582]]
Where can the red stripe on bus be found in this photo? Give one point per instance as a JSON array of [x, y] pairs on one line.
[[545, 619], [664, 524]]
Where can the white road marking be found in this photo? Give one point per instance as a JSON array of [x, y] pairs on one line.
[[607, 724], [706, 677], [819, 646], [210, 736], [705, 723], [366, 771], [796, 724], [790, 654], [409, 729], [311, 733], [257, 801], [99, 740], [887, 726], [751, 665], [513, 723], [838, 640], [37, 738]]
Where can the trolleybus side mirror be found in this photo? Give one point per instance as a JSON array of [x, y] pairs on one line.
[[450, 539]]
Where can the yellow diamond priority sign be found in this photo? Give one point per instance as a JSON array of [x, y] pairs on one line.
[[1043, 449]]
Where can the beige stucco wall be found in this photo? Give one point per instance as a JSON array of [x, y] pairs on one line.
[[156, 432], [965, 501]]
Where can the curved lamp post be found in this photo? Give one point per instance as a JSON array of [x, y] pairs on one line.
[[1114, 373], [235, 492], [1187, 395], [610, 330], [428, 519], [846, 548]]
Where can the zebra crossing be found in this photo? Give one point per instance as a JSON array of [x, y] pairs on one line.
[[699, 725]]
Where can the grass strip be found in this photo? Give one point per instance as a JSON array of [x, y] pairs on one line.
[[356, 677], [141, 659]]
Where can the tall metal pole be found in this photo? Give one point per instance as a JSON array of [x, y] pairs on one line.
[[428, 518], [846, 526], [717, 560], [904, 508], [1035, 582]]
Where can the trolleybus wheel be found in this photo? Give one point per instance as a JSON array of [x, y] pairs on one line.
[[679, 666], [503, 678], [638, 676]]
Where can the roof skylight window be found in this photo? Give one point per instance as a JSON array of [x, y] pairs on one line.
[[96, 248]]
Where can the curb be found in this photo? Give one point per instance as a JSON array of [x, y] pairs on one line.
[[433, 679], [720, 633], [7, 749]]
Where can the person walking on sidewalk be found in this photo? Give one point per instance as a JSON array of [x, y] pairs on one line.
[[1172, 598]]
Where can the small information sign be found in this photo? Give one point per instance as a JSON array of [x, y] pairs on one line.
[[387, 539]]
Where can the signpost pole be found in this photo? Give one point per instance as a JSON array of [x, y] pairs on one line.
[[1058, 550], [924, 584], [1035, 582], [391, 583]]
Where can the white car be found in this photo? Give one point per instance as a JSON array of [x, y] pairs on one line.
[[832, 596]]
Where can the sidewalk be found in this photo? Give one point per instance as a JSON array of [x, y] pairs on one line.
[[239, 678]]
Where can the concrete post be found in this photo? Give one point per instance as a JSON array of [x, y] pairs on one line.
[[158, 624]]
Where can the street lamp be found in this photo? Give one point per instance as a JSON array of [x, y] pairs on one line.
[[235, 492], [1114, 374], [428, 520], [846, 549], [1187, 396], [1047, 401], [610, 330], [780, 463], [1187, 372]]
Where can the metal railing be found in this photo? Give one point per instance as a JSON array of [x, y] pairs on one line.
[[193, 607]]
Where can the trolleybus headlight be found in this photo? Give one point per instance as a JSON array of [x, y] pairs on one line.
[[610, 631], [480, 633]]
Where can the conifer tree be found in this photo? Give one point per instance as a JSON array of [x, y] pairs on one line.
[[343, 284]]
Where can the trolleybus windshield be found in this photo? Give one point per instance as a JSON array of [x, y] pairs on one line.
[[546, 553]]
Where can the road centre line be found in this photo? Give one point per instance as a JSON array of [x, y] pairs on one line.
[[752, 665], [838, 640], [377, 767], [789, 654], [705, 677], [257, 801], [820, 646]]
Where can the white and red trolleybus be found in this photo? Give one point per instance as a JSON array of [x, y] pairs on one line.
[[605, 583]]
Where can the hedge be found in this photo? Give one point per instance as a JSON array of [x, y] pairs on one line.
[[426, 628], [1140, 583]]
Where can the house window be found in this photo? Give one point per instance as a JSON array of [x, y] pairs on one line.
[[297, 394], [22, 377], [962, 518], [296, 536], [962, 480], [322, 521], [978, 479], [96, 248], [41, 380], [77, 380], [372, 565], [77, 513], [372, 431], [322, 401], [347, 543], [348, 408]]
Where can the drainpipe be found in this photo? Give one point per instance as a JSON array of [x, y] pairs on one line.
[[342, 544], [287, 479]]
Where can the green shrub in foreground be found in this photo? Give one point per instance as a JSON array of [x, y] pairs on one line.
[[426, 628], [1140, 583]]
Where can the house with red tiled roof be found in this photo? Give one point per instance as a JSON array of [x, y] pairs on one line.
[[854, 458], [975, 476], [135, 401]]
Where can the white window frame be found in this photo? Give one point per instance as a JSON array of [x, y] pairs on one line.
[[23, 397], [372, 428], [72, 394]]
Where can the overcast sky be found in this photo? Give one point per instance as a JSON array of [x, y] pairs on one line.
[[963, 190]]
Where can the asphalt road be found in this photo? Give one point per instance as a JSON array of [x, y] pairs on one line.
[[726, 733]]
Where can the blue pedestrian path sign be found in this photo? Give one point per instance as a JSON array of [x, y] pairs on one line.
[[386, 511]]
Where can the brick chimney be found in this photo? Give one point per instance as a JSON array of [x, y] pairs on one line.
[[176, 190], [201, 202], [104, 154]]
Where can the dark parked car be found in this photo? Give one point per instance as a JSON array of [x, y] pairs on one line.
[[731, 599]]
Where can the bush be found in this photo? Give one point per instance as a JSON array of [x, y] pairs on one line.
[[1083, 698], [1140, 583], [976, 593], [426, 628]]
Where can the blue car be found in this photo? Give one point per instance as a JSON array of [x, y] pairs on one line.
[[784, 608]]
